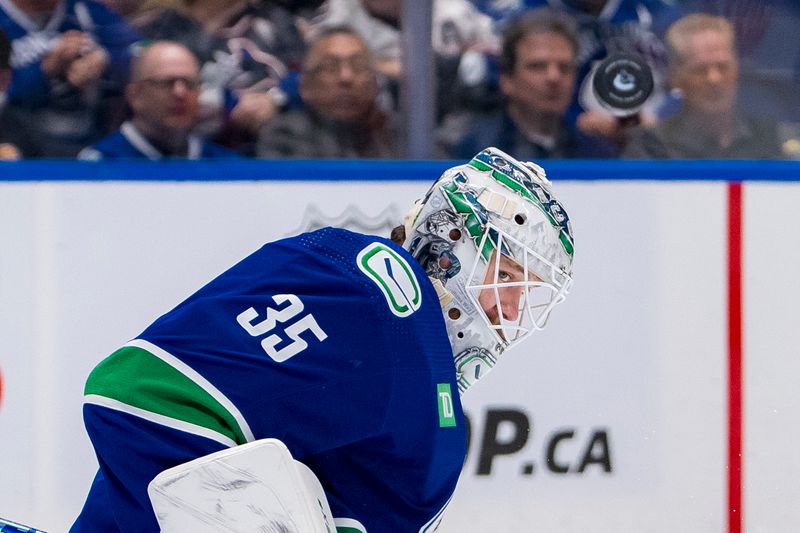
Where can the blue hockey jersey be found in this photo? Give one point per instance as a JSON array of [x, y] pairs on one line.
[[129, 143], [331, 341], [29, 43], [56, 118]]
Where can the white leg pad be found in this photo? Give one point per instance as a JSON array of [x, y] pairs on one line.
[[257, 486]]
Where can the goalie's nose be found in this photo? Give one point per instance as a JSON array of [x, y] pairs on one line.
[[509, 302], [509, 299]]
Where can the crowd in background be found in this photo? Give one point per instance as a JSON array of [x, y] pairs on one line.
[[319, 79]]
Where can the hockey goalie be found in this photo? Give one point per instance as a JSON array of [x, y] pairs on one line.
[[316, 385]]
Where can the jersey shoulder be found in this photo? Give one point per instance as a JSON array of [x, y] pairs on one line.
[[398, 282], [366, 293], [379, 265], [395, 298]]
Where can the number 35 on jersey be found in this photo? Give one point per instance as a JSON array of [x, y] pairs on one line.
[[283, 317]]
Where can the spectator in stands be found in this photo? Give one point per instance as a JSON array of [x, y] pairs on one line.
[[163, 95], [769, 70], [249, 53], [605, 26], [341, 117], [537, 80], [634, 26], [69, 61], [704, 67], [459, 32], [377, 21]]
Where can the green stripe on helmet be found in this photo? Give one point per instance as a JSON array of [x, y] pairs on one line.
[[512, 183], [479, 165], [138, 378], [515, 185], [463, 205], [567, 243], [523, 191]]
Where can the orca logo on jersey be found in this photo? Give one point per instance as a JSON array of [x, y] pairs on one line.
[[393, 276]]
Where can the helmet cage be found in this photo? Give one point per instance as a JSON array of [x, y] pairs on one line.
[[471, 221], [542, 286]]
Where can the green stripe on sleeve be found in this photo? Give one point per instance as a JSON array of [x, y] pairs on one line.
[[136, 377]]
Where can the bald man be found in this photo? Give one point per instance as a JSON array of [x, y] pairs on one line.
[[163, 95]]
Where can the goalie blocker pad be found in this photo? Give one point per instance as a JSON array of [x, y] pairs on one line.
[[257, 486]]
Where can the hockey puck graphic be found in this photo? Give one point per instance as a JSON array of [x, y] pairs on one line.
[[622, 82]]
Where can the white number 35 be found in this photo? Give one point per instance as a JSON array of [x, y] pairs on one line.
[[279, 316]]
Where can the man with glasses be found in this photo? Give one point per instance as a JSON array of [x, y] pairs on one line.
[[538, 72], [341, 115], [163, 95]]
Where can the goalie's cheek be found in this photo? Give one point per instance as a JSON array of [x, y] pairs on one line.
[[509, 303], [491, 313]]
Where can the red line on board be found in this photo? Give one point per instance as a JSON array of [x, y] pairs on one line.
[[735, 515]]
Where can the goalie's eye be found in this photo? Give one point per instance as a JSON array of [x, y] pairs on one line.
[[506, 270]]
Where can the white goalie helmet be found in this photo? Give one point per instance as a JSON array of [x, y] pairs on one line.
[[492, 301]]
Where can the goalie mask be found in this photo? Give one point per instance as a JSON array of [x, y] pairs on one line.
[[498, 247]]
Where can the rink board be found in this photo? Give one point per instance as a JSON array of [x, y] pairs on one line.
[[614, 419]]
